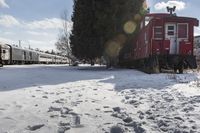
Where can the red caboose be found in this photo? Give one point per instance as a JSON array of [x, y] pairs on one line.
[[165, 41]]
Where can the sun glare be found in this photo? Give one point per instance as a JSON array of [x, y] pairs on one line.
[[129, 27]]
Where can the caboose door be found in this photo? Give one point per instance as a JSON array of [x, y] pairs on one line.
[[171, 34]]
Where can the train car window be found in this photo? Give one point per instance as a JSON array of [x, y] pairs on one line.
[[171, 33], [170, 30], [158, 32], [182, 30], [4, 51]]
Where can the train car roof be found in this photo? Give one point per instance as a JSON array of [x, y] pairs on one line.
[[169, 16], [4, 45], [30, 50]]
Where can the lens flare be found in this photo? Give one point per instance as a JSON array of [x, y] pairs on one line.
[[121, 39], [114, 45], [129, 27], [112, 48], [137, 17]]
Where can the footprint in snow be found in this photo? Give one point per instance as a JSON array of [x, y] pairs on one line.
[[46, 93], [79, 101], [108, 111], [9, 118], [87, 114], [45, 97], [105, 107], [63, 127], [58, 101], [19, 106], [93, 101], [52, 109], [65, 110], [54, 116], [107, 123], [80, 95], [2, 109], [35, 127]]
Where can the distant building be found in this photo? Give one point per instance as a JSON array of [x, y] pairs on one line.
[[197, 41]]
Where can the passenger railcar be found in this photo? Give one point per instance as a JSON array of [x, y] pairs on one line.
[[165, 41], [16, 55]]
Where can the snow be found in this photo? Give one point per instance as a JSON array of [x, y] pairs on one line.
[[85, 99]]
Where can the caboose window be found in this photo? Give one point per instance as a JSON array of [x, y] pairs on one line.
[[182, 30], [170, 30], [171, 33], [158, 33]]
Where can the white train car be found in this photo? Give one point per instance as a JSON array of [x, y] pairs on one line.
[[46, 58], [5, 53], [61, 59], [16, 55], [21, 56]]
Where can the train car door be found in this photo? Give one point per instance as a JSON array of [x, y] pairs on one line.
[[182, 29], [24, 56], [171, 34]]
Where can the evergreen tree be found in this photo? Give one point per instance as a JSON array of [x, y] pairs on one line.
[[84, 41], [104, 27]]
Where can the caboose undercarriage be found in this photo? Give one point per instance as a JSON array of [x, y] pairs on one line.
[[177, 62], [156, 64]]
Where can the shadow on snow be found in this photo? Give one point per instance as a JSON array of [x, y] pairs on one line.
[[18, 77]]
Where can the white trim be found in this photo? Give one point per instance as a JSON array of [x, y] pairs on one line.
[[172, 38]]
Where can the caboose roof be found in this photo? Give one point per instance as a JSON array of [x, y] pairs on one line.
[[169, 17]]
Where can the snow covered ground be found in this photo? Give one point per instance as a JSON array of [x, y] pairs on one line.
[[63, 99]]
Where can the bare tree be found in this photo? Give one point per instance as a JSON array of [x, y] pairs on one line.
[[63, 43]]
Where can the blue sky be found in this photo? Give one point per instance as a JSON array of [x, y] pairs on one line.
[[38, 22]]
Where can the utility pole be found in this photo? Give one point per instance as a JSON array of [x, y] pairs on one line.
[[20, 43]]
